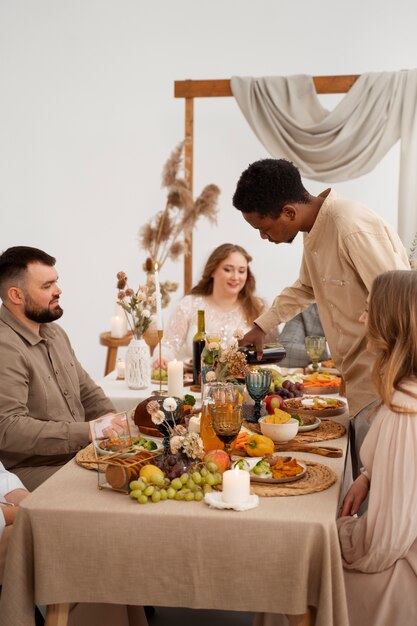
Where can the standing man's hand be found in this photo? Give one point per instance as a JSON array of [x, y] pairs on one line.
[[254, 337]]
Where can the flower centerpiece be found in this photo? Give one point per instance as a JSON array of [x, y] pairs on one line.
[[224, 364], [182, 448], [138, 306]]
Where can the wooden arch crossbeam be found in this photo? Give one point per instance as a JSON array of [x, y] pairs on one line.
[[190, 89]]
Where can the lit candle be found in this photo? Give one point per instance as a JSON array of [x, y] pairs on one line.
[[116, 328], [158, 300], [120, 368], [236, 486], [176, 378]]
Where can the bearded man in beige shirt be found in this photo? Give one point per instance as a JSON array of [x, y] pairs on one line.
[[346, 245], [46, 397]]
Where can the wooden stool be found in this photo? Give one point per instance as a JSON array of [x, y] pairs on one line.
[[112, 344]]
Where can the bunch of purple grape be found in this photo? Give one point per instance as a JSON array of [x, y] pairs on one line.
[[289, 389], [172, 465]]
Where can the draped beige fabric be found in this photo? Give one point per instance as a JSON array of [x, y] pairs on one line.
[[330, 146]]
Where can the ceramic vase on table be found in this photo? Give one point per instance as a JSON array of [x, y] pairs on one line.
[[138, 364]]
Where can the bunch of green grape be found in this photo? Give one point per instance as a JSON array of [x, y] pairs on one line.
[[190, 486]]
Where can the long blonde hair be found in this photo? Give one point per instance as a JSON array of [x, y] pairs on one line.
[[392, 333]]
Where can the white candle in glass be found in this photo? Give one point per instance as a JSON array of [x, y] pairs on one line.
[[176, 378], [236, 486], [159, 325], [116, 327]]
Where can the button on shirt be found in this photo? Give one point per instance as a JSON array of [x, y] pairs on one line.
[[45, 396], [348, 246]]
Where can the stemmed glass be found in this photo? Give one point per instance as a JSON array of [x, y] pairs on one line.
[[213, 394], [315, 346], [258, 383], [226, 421]]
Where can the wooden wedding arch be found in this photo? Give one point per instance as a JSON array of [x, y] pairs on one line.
[[190, 89]]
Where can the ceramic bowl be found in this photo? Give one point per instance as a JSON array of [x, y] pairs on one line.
[[279, 433]]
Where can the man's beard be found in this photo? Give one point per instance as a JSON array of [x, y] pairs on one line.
[[41, 316]]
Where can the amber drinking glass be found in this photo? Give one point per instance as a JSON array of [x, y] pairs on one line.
[[227, 421], [214, 394]]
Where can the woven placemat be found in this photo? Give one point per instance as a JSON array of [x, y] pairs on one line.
[[318, 478], [87, 458], [328, 429]]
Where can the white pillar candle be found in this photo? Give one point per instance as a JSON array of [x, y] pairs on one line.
[[159, 325], [119, 312], [116, 327], [176, 378], [236, 486]]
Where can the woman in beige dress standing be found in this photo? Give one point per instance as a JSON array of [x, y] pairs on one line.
[[379, 549]]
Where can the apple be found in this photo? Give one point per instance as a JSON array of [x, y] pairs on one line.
[[273, 401], [220, 458]]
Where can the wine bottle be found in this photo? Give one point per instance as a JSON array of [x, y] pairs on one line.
[[199, 341], [272, 353]]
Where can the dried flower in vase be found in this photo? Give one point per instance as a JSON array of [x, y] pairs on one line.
[[138, 306], [165, 236]]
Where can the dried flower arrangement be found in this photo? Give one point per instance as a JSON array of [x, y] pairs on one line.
[[225, 363], [190, 443], [138, 306], [165, 235]]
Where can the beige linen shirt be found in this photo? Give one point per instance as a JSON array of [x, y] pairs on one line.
[[348, 246], [45, 396]]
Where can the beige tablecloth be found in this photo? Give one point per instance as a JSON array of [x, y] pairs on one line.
[[75, 543]]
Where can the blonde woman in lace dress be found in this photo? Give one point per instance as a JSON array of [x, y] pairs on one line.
[[379, 549], [226, 292]]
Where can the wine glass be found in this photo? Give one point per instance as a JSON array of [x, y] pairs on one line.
[[213, 394], [315, 347], [227, 421], [258, 383]]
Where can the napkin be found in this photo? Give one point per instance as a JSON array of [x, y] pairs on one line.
[[215, 500]]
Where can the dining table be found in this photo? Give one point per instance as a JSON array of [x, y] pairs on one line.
[[125, 399], [74, 542]]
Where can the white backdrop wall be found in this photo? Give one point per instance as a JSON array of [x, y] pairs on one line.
[[88, 118]]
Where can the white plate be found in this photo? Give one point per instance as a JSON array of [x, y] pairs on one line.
[[307, 427], [287, 479], [159, 446]]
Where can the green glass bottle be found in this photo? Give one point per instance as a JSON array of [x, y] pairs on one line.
[[199, 341]]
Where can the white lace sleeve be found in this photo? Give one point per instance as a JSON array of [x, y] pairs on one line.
[[177, 331]]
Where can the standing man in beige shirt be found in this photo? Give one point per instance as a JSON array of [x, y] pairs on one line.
[[46, 397], [345, 246]]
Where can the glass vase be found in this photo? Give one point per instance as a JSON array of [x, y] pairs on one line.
[[138, 364]]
